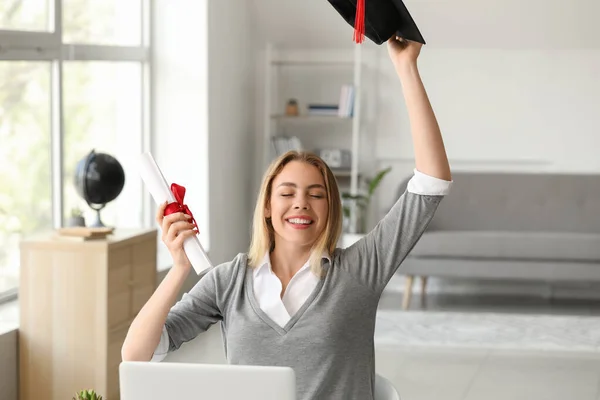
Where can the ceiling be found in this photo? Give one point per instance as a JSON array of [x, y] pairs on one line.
[[511, 24]]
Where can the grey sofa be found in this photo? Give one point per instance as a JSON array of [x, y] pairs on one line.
[[511, 226]]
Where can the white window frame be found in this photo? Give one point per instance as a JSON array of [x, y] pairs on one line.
[[47, 46]]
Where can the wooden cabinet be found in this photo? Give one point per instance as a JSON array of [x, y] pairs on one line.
[[77, 300]]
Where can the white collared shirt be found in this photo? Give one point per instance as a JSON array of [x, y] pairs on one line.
[[267, 289]]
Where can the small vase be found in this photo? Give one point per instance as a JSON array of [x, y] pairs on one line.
[[291, 109], [76, 221]]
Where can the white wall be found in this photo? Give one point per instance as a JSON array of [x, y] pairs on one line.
[[526, 110], [204, 69], [231, 126], [445, 24], [180, 109]]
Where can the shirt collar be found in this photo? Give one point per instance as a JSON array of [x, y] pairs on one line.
[[265, 264]]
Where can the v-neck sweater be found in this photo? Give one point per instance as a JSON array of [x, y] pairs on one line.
[[329, 341]]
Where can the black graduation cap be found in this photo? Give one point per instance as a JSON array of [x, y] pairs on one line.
[[378, 20]]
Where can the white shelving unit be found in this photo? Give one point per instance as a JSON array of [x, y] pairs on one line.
[[343, 63]]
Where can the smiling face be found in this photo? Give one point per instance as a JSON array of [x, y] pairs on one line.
[[298, 205]]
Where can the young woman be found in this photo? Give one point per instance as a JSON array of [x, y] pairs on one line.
[[294, 299]]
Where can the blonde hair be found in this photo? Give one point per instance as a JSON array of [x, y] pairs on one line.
[[263, 235]]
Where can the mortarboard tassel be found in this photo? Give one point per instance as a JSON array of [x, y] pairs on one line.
[[359, 22]]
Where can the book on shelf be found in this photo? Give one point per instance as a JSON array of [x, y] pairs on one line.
[[346, 106], [283, 144], [323, 109], [344, 109]]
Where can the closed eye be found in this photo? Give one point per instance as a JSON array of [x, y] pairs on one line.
[[313, 195]]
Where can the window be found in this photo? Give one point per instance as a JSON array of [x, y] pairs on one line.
[[73, 78], [24, 15], [105, 98], [106, 22], [25, 198]]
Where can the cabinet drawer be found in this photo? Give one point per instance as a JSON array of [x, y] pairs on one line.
[[119, 257], [143, 263], [143, 272], [119, 287]]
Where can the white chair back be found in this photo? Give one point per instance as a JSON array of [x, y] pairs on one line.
[[384, 390]]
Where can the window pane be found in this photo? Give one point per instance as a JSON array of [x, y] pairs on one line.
[[24, 15], [107, 22], [102, 112], [25, 169]]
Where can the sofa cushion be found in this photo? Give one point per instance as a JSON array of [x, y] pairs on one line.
[[509, 245], [485, 201]]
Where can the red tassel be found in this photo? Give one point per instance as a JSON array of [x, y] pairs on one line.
[[359, 22]]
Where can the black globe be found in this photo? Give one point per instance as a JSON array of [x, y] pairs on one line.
[[99, 179]]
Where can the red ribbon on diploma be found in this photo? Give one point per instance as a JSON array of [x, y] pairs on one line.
[[178, 205]]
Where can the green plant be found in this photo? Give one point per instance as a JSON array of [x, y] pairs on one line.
[[87, 395], [363, 200], [76, 212]]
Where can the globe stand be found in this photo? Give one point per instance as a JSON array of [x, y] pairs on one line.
[[99, 179], [98, 223]]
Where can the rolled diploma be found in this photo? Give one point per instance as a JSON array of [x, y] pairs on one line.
[[161, 192]]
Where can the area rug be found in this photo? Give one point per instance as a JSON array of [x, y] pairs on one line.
[[487, 331]]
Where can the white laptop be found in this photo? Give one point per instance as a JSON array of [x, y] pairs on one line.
[[166, 381]]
